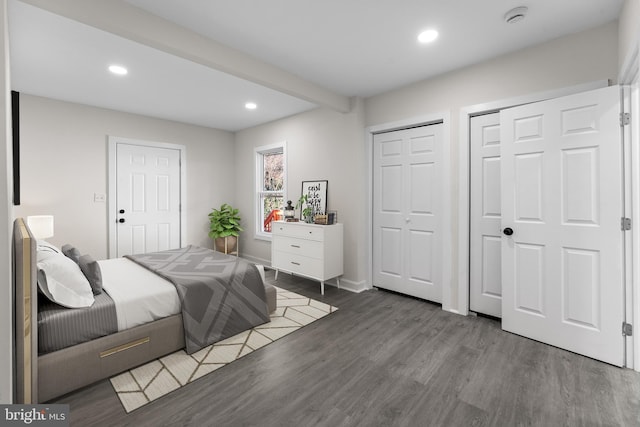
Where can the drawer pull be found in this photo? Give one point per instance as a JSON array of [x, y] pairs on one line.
[[295, 246], [295, 263]]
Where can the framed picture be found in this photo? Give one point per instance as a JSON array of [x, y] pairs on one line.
[[316, 192], [15, 124]]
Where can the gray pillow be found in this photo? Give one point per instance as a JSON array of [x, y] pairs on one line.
[[71, 252], [91, 270]]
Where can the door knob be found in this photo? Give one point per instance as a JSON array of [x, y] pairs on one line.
[[121, 220], [507, 231]]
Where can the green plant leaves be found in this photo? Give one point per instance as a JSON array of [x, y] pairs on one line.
[[224, 222]]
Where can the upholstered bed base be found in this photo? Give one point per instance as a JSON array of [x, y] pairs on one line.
[[102, 358], [59, 372]]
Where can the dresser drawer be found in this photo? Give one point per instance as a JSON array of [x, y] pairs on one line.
[[301, 230], [308, 248], [294, 263]]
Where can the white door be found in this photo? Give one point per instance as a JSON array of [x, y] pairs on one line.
[[485, 235], [562, 199], [148, 198], [407, 206]]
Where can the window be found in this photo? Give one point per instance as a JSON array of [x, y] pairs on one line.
[[270, 186]]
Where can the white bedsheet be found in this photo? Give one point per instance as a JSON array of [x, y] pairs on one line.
[[140, 295]]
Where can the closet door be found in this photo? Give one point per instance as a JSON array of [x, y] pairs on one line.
[[407, 210], [562, 200], [485, 236]]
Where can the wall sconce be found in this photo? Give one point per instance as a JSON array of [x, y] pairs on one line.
[[41, 226]]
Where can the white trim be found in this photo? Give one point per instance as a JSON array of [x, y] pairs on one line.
[[111, 201], [443, 117], [351, 286], [463, 164], [626, 133], [630, 75], [633, 316], [275, 147]]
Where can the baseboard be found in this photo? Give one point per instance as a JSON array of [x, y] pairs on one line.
[[347, 285], [255, 260], [352, 286]]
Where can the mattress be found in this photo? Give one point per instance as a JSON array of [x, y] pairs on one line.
[[132, 296], [140, 295]]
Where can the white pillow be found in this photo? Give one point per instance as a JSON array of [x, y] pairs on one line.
[[62, 281]]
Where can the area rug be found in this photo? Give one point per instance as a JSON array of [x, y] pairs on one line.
[[142, 385]]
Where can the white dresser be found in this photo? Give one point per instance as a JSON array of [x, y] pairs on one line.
[[309, 250]]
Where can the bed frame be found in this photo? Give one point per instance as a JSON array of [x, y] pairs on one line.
[[39, 379], [26, 339], [42, 378]]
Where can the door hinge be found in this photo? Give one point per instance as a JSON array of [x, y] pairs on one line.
[[625, 119], [625, 224], [627, 329]]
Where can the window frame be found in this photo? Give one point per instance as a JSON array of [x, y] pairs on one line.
[[259, 193]]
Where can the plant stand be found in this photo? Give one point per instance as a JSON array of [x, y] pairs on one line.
[[226, 245]]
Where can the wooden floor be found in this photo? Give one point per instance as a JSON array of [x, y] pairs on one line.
[[387, 360]]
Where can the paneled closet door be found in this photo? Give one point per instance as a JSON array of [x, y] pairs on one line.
[[562, 244], [485, 281], [407, 210]]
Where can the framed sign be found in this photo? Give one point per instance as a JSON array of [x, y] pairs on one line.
[[316, 192]]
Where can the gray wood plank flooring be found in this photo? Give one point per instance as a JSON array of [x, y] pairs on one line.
[[387, 360]]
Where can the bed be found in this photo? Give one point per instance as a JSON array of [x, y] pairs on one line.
[[78, 356]]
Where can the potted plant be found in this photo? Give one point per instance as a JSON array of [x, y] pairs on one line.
[[307, 212], [224, 228]]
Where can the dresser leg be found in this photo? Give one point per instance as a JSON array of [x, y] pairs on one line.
[[276, 278], [322, 287]]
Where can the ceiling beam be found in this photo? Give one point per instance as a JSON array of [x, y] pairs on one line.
[[124, 20]]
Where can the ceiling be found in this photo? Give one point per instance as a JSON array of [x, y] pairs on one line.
[[200, 61]]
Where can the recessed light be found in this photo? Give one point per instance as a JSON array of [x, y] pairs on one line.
[[427, 36], [118, 69], [250, 105]]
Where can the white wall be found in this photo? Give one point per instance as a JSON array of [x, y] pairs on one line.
[[321, 144], [6, 217], [328, 145], [64, 162], [629, 30], [578, 58]]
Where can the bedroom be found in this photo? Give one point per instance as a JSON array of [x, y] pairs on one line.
[[317, 134]]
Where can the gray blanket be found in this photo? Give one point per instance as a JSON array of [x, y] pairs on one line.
[[221, 295]]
